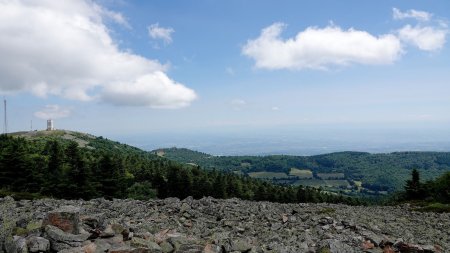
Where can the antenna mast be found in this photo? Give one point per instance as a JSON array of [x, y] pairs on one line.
[[5, 130]]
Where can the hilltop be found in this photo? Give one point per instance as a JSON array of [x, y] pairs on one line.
[[84, 140]]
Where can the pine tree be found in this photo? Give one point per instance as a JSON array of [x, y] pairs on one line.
[[53, 174], [413, 187], [78, 174]]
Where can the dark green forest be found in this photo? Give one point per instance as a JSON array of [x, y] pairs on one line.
[[72, 165], [377, 172]]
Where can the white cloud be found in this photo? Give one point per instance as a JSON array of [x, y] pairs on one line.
[[53, 112], [425, 38], [157, 32], [238, 104], [415, 14], [275, 108], [63, 48], [319, 48], [155, 90]]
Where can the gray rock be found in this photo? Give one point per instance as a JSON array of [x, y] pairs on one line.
[[142, 243], [166, 247], [334, 246], [108, 232], [66, 218], [16, 244], [191, 248], [212, 248], [184, 207], [60, 240], [38, 244], [214, 226], [240, 245]]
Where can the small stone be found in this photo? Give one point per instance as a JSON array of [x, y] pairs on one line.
[[212, 248], [90, 248], [22, 223], [38, 244], [166, 247], [367, 245], [284, 218], [191, 248], [108, 232], [187, 223], [388, 249], [16, 244], [142, 243], [184, 207], [334, 246], [240, 245]]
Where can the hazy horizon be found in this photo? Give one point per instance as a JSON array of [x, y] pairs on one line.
[[297, 78], [304, 141]]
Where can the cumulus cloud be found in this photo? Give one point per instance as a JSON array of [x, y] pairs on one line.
[[154, 90], [157, 32], [64, 48], [415, 14], [53, 112], [426, 38], [425, 35], [319, 48]]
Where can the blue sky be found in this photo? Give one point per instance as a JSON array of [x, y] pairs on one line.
[[137, 68]]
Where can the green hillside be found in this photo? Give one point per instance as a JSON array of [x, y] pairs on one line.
[[73, 165], [350, 172]]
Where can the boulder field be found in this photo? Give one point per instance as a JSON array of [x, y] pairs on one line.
[[214, 225]]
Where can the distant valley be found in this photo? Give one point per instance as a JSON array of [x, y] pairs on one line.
[[352, 173]]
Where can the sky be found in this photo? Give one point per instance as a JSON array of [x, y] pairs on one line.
[[209, 74]]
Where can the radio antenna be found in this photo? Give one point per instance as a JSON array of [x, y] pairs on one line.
[[5, 127]]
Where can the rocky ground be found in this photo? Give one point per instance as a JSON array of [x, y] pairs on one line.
[[211, 225]]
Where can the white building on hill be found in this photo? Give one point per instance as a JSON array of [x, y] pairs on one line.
[[50, 126]]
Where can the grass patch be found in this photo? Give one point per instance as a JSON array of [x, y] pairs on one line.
[[301, 173], [20, 195], [434, 207], [327, 210]]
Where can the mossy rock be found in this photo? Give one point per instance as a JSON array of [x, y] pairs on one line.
[[324, 250], [19, 231]]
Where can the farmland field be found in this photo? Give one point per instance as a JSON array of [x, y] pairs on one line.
[[268, 175], [331, 175], [336, 183], [301, 173], [311, 182]]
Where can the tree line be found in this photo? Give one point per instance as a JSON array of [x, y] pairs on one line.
[[61, 169]]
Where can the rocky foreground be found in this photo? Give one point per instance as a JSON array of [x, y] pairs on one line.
[[211, 225]]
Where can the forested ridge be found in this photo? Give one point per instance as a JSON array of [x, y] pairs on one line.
[[376, 172], [72, 165]]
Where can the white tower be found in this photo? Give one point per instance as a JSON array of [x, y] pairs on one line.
[[50, 126]]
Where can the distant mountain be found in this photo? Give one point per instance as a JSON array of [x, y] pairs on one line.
[[350, 172]]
